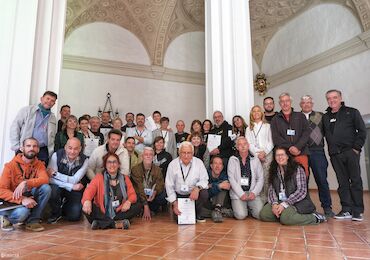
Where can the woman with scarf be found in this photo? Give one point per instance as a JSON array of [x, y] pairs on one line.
[[109, 201]]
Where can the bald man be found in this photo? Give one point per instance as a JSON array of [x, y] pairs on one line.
[[67, 169]]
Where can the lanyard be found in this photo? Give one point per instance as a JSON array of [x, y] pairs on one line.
[[281, 179], [147, 174], [182, 172], [139, 133], [256, 135], [164, 137]]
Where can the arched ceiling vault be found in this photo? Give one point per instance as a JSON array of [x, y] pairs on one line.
[[158, 22]]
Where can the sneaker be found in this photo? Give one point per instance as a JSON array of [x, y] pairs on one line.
[[95, 225], [343, 215], [319, 217], [357, 217], [328, 213], [5, 224], [35, 227], [126, 224], [217, 215], [54, 220], [227, 213], [201, 220]]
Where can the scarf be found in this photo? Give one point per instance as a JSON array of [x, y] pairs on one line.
[[108, 193], [44, 111]]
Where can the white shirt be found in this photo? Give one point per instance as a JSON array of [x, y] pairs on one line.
[[195, 174], [146, 134], [260, 138]]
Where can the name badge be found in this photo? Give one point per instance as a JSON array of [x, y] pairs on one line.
[[290, 132], [282, 196], [229, 133], [148, 192], [184, 188], [244, 181], [115, 203], [333, 120]]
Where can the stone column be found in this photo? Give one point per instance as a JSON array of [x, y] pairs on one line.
[[31, 56], [229, 75]]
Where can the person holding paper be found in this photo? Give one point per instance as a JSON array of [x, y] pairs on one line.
[[24, 181], [67, 169], [246, 179], [148, 182], [222, 128], [143, 136], [187, 178]]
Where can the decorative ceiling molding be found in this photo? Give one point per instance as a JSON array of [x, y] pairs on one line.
[[155, 22], [345, 50], [132, 70], [158, 22]]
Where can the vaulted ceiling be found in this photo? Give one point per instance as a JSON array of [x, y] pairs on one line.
[[157, 22]]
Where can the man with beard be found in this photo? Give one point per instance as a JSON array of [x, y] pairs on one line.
[[143, 136], [269, 107], [24, 181], [39, 122], [130, 121], [223, 128]]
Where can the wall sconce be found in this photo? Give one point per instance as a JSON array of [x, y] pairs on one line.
[[260, 84]]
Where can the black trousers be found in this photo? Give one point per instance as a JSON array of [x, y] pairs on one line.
[[71, 208], [347, 168], [105, 222], [199, 203]]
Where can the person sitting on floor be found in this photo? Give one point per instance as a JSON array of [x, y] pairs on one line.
[[148, 182], [218, 191], [24, 181], [288, 200], [109, 201], [67, 169]]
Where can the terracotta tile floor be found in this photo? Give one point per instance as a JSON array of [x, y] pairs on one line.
[[162, 238]]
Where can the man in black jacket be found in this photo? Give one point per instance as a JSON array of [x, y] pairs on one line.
[[345, 133], [223, 128]]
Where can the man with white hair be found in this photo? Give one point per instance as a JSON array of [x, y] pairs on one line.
[[290, 130], [147, 179], [317, 160], [187, 177]]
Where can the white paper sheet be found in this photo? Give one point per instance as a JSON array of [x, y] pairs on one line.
[[150, 124], [187, 209], [90, 145], [213, 141]]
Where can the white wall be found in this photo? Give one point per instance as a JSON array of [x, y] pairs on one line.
[[316, 30], [107, 41]]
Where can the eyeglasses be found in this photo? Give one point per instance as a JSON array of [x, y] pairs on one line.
[[280, 155], [112, 162]]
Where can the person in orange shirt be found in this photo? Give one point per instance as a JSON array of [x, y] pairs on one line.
[[25, 182], [109, 201]]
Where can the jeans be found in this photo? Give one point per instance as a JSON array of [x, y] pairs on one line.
[[222, 199], [347, 168], [71, 209], [19, 215], [241, 208], [319, 165], [159, 200]]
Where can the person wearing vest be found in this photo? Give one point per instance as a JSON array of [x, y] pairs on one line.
[[148, 181], [288, 200], [246, 179], [67, 169], [317, 159]]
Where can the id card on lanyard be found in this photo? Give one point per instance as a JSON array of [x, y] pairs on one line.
[[184, 187], [282, 194]]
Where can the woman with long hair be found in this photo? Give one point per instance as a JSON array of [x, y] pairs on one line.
[[200, 148], [288, 200], [259, 137], [195, 127], [239, 126], [109, 201], [162, 158], [206, 127]]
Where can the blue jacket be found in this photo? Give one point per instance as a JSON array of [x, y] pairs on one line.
[[213, 189]]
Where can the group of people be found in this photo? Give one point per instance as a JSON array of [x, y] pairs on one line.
[[112, 172]]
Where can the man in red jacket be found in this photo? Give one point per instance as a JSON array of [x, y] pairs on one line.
[[25, 182]]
